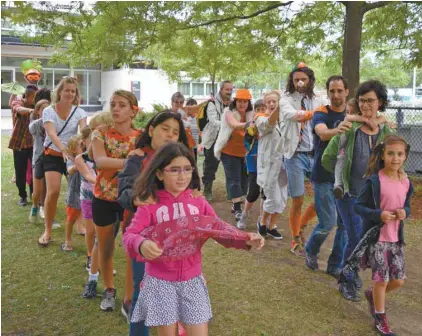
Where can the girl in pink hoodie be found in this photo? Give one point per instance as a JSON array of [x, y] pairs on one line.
[[173, 288]]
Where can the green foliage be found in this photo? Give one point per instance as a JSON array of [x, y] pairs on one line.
[[249, 42], [141, 120]]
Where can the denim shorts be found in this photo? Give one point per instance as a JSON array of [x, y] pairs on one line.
[[298, 167]]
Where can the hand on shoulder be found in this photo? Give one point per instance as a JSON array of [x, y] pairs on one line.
[[136, 151]]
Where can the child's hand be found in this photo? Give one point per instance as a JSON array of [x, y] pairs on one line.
[[401, 214], [150, 250], [391, 124], [196, 193], [255, 241], [372, 124], [136, 151], [387, 216], [137, 202]]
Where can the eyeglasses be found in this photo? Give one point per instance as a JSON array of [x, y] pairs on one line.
[[178, 102], [176, 171], [369, 101]]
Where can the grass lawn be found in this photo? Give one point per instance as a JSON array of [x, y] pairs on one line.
[[263, 293]]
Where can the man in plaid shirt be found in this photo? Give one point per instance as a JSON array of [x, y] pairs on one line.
[[21, 141]]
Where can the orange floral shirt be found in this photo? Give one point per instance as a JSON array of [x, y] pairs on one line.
[[117, 146]]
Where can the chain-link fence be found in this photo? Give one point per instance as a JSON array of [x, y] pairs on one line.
[[409, 125]]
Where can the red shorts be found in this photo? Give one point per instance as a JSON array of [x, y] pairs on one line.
[[72, 214]]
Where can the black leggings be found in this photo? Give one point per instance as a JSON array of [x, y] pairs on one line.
[[253, 188]]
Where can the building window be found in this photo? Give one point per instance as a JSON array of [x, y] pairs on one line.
[[208, 89], [184, 88], [94, 87], [197, 89]]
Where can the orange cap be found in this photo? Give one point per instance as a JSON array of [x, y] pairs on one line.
[[243, 94]]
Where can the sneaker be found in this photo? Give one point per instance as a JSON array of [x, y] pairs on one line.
[[338, 192], [370, 298], [90, 290], [41, 213], [275, 234], [262, 229], [243, 221], [381, 325], [349, 291], [109, 300], [208, 191], [88, 263], [56, 225], [311, 262], [126, 310], [298, 250], [335, 273], [23, 201], [33, 215], [357, 281], [237, 215]]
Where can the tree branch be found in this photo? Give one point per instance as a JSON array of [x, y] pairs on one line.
[[373, 5], [240, 17]]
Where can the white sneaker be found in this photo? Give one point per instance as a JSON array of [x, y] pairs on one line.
[[41, 212], [243, 221], [56, 225]]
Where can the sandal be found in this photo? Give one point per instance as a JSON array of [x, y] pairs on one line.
[[66, 248], [42, 241], [80, 233]]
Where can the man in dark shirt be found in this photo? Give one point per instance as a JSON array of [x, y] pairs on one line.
[[327, 122]]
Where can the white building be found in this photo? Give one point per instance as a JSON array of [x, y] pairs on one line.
[[151, 86]]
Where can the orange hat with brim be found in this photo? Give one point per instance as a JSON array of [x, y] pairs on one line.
[[243, 94]]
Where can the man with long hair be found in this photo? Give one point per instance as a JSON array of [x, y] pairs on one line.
[[297, 146]]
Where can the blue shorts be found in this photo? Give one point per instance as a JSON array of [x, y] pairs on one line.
[[298, 167]]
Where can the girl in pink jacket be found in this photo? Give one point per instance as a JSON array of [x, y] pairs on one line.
[[168, 236]]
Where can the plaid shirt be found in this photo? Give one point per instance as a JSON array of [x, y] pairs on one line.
[[21, 137]]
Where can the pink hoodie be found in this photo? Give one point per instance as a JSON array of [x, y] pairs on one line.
[[145, 216]]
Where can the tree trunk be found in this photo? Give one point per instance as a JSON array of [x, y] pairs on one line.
[[352, 43]]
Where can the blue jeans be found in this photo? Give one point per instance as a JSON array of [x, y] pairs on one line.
[[139, 328], [298, 167], [325, 208], [352, 221], [236, 175]]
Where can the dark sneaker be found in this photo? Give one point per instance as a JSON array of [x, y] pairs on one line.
[[88, 263], [338, 192], [237, 215], [275, 234], [126, 310], [208, 191], [335, 273], [22, 202], [381, 325], [109, 300], [90, 290], [369, 297], [349, 291], [357, 281], [262, 229], [311, 262]]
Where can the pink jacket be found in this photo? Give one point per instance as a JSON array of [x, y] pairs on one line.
[[163, 210]]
